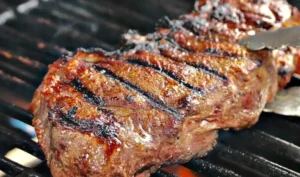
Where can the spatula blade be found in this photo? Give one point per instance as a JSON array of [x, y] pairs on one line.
[[273, 39]]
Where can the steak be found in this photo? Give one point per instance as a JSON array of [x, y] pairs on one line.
[[161, 98]]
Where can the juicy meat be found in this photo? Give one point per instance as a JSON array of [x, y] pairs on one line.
[[161, 98]]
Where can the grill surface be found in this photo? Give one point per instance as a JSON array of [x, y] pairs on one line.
[[35, 33]]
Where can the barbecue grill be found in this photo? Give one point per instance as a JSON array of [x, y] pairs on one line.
[[34, 33]]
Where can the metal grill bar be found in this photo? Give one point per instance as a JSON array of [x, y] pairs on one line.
[[33, 44], [161, 173], [209, 169], [49, 31], [10, 167], [289, 127], [249, 164], [15, 83], [111, 12], [269, 147], [14, 67], [22, 142], [14, 3], [15, 112]]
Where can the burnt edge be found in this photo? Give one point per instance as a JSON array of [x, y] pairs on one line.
[[194, 26]]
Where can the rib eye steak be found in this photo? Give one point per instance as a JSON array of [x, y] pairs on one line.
[[161, 98]]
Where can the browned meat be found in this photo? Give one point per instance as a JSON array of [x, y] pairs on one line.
[[161, 98]]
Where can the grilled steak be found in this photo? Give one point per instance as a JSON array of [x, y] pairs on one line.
[[161, 98]]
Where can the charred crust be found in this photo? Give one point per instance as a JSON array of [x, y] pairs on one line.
[[211, 72], [107, 130], [220, 52], [260, 1], [87, 94], [223, 53], [140, 62], [195, 25], [164, 22], [226, 12], [263, 24], [153, 101], [98, 51], [127, 47], [67, 56]]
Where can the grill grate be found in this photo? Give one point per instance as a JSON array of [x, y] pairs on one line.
[[34, 33]]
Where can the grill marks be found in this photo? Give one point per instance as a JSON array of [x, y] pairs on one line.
[[98, 127], [254, 13], [87, 94], [68, 107], [179, 71], [211, 57], [194, 44], [194, 60], [153, 101], [210, 71], [223, 68], [186, 69], [170, 73]]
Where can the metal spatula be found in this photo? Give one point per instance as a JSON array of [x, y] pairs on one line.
[[286, 102], [273, 39]]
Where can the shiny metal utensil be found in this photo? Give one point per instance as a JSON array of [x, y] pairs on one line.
[[273, 39], [286, 102]]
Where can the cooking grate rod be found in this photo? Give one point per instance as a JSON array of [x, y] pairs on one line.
[[267, 146], [38, 45], [247, 164], [209, 169], [49, 31], [15, 112], [161, 173], [14, 67], [10, 167], [22, 142], [16, 84]]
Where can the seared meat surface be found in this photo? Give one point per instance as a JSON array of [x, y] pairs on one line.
[[161, 98]]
